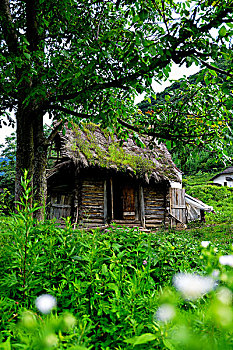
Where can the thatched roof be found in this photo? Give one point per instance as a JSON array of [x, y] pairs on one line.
[[228, 170], [92, 147]]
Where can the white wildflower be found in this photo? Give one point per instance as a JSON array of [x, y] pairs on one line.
[[205, 244], [50, 341], [165, 313], [215, 273], [193, 286], [45, 303], [224, 295], [226, 260]]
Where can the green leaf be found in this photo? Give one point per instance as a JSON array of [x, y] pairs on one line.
[[104, 269], [113, 286], [142, 339], [167, 98], [143, 15], [206, 79], [169, 145], [27, 55], [154, 96], [25, 40], [168, 344], [222, 31], [6, 345]]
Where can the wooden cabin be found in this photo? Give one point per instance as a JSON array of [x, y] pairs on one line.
[[99, 179]]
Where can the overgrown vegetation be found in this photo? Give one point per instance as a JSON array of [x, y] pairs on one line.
[[220, 197], [110, 286], [109, 280]]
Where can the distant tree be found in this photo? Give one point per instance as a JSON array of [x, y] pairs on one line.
[[7, 170], [88, 58], [200, 110]]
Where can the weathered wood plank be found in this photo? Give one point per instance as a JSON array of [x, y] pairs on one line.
[[91, 206], [155, 212], [142, 206]]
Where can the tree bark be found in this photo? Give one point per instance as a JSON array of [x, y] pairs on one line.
[[40, 162], [25, 148], [31, 154]]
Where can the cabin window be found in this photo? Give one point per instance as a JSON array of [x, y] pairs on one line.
[[225, 183]]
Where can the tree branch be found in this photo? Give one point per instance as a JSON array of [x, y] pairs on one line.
[[219, 70], [69, 111], [160, 61], [118, 83], [31, 24], [162, 13], [54, 132], [8, 29]]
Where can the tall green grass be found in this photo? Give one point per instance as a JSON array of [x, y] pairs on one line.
[[113, 282]]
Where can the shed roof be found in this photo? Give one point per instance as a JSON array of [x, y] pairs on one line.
[[197, 203], [89, 146], [228, 170]]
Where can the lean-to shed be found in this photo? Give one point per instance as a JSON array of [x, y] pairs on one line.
[[99, 179]]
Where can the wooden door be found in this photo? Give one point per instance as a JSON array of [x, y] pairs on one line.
[[60, 206], [128, 197], [177, 206]]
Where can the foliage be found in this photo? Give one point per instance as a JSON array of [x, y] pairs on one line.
[[193, 160], [7, 172], [114, 282], [210, 193], [89, 59], [204, 323], [220, 197], [109, 280], [184, 107]]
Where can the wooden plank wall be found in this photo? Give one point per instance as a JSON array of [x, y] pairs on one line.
[[154, 202], [91, 213], [177, 205]]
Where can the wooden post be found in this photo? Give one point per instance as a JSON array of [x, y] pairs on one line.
[[111, 185], [142, 206], [76, 202], [105, 202], [136, 194], [170, 205]]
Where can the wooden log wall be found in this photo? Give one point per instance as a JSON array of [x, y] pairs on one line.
[[155, 207], [91, 212]]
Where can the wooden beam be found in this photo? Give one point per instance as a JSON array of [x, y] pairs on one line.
[[142, 206], [105, 202], [111, 185]]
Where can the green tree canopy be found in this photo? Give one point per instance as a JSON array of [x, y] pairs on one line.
[[88, 59]]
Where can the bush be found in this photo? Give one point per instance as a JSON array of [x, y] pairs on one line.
[[109, 280]]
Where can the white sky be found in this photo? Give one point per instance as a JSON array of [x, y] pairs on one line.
[[176, 73]]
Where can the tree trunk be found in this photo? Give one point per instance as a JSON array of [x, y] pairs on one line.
[[25, 148], [31, 154], [40, 162]]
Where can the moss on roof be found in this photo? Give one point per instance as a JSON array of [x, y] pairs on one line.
[[90, 146]]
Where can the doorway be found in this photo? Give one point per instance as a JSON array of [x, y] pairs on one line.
[[122, 199]]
